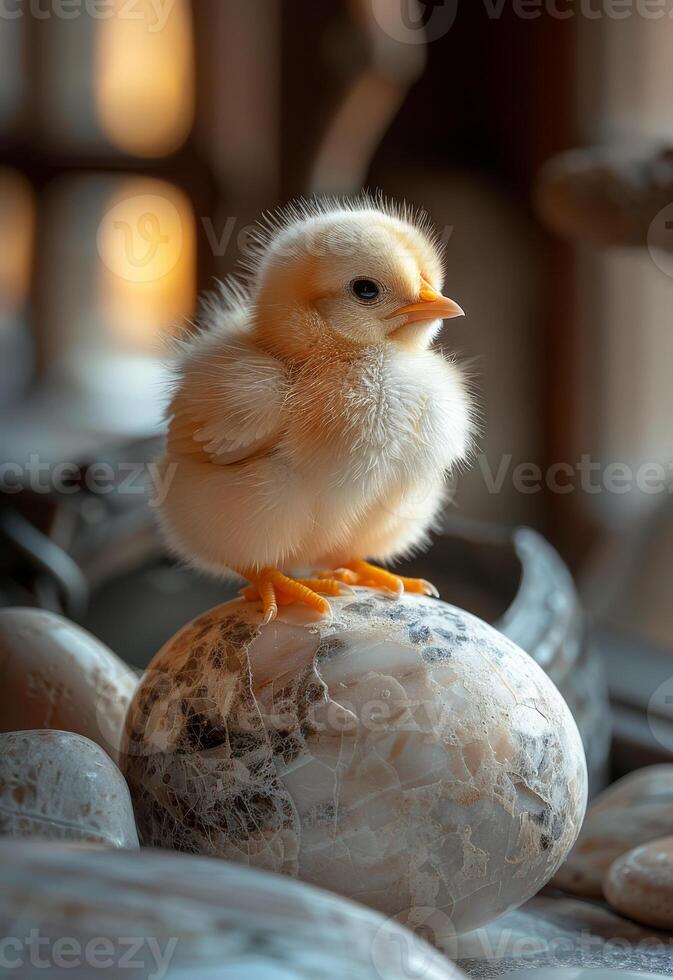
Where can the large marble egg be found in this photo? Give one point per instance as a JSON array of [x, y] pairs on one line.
[[403, 754]]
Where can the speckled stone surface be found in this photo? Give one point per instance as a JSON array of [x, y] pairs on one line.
[[53, 674], [404, 754], [633, 811], [153, 915], [59, 785], [640, 884]]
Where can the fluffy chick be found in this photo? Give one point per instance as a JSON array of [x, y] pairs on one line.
[[311, 424]]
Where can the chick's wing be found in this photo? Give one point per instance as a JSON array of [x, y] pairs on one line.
[[228, 405]]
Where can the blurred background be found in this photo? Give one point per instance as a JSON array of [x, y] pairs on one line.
[[140, 139]]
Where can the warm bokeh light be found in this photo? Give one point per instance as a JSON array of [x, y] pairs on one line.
[[144, 79], [17, 232], [117, 275], [147, 245]]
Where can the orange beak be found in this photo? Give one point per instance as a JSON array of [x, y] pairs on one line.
[[433, 306]]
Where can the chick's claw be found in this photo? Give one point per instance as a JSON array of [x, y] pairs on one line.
[[377, 578], [371, 576], [343, 575], [267, 594], [327, 585], [420, 586], [276, 589]]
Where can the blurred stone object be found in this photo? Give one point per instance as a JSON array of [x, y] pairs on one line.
[[53, 674], [59, 785], [608, 196], [77, 515], [385, 54], [404, 754], [640, 884], [556, 933], [634, 810], [627, 583], [152, 914]]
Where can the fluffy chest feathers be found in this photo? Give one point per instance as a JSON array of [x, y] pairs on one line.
[[382, 412]]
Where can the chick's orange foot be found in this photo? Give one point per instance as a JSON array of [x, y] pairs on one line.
[[276, 589], [372, 576]]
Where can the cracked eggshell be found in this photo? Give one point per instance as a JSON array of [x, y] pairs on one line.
[[53, 674], [58, 785], [403, 754]]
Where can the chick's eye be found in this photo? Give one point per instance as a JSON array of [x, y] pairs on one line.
[[366, 290]]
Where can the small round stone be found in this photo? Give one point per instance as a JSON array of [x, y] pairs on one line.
[[635, 810], [640, 884], [403, 754], [60, 786], [53, 674]]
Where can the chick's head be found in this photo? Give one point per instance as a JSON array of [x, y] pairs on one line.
[[355, 277]]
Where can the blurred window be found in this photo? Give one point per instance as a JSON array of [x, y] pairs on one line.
[[144, 77], [89, 94]]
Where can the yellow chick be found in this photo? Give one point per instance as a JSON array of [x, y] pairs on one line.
[[311, 425]]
